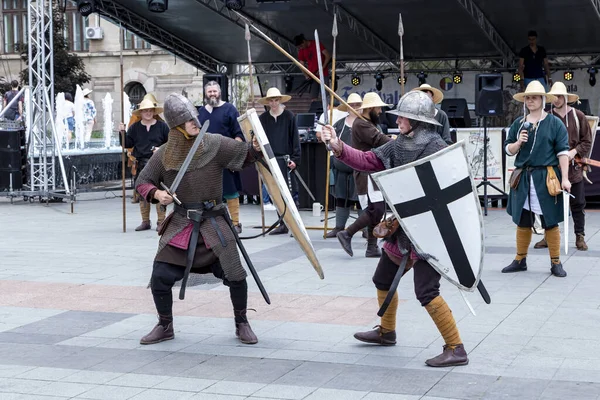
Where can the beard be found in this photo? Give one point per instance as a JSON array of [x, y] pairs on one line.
[[213, 101], [374, 117]]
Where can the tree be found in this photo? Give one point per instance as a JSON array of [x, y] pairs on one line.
[[69, 69]]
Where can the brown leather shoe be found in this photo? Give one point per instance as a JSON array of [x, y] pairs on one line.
[[542, 244], [377, 337], [450, 357], [346, 242], [144, 226], [332, 233], [238, 228], [244, 332], [159, 334], [280, 230], [580, 242]]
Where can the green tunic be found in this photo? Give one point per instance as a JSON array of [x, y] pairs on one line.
[[550, 140]]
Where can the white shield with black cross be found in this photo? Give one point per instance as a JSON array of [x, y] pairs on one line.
[[436, 203]]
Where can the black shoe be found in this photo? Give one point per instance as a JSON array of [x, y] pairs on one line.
[[346, 242], [516, 266], [557, 270], [280, 230]]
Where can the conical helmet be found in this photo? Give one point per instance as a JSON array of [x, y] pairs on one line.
[[179, 110], [417, 106]]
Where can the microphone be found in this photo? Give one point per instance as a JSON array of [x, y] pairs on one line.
[[527, 125]]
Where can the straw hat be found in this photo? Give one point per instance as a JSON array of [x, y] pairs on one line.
[[438, 96], [535, 88], [372, 100], [274, 92], [353, 98], [559, 89], [86, 91], [148, 104], [151, 97]]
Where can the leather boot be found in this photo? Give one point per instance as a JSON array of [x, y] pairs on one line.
[[280, 230], [542, 244], [242, 329], [376, 336], [558, 270], [346, 242], [144, 226], [450, 357], [238, 228], [373, 250], [365, 235], [333, 233], [516, 266], [580, 242], [159, 333]]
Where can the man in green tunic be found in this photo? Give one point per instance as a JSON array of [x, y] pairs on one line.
[[538, 140]]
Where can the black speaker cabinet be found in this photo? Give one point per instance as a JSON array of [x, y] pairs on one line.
[[488, 95], [6, 175], [583, 106], [222, 80], [458, 112]]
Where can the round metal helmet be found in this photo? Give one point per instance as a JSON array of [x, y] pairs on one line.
[[179, 110], [417, 106]]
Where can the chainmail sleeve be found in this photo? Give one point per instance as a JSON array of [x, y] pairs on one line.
[[233, 153], [151, 176]]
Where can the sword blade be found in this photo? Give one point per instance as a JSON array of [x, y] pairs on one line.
[[566, 220], [188, 158], [304, 184], [321, 78]]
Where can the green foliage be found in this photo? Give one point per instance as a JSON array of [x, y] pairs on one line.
[[69, 69]]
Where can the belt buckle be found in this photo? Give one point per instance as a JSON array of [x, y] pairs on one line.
[[187, 212]]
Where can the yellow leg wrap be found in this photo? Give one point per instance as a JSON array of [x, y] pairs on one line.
[[442, 316], [388, 321], [523, 241], [233, 205], [553, 240], [145, 210]]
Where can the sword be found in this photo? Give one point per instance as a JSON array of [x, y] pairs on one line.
[[587, 161], [322, 80], [394, 286], [186, 163], [566, 219], [295, 170]]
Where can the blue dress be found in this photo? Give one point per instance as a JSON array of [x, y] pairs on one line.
[[223, 120]]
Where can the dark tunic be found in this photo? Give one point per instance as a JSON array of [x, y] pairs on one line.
[[223, 120], [202, 182], [142, 140], [443, 130], [282, 133], [533, 62], [365, 136], [550, 140], [578, 139], [344, 175]]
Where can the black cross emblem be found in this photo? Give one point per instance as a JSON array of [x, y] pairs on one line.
[[436, 200]]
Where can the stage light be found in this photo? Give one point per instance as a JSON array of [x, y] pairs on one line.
[[422, 76], [401, 80], [86, 7], [592, 71], [517, 77], [568, 75], [457, 77], [379, 81], [158, 6], [289, 83], [355, 80], [235, 4]]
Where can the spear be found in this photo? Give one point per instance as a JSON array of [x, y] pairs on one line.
[[334, 33], [401, 34], [121, 88], [298, 63], [247, 36]]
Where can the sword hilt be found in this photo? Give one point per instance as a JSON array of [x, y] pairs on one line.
[[170, 194]]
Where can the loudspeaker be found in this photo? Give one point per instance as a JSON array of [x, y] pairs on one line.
[[583, 106], [458, 112], [488, 95], [13, 159], [222, 80]]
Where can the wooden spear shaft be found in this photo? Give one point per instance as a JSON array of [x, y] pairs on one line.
[[123, 160], [334, 33]]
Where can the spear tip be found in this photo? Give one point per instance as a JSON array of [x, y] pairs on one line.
[[400, 26], [247, 33], [334, 30]]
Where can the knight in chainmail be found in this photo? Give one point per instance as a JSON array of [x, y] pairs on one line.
[[202, 214], [418, 138]]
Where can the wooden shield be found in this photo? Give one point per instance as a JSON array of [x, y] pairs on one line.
[[278, 188]]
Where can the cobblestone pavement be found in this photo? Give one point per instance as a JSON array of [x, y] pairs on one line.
[[74, 304]]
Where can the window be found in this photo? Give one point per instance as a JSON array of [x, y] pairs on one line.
[[14, 25], [134, 42], [75, 25]]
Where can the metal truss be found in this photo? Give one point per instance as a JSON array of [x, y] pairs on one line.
[[157, 35], [359, 29], [219, 7], [492, 34], [596, 4]]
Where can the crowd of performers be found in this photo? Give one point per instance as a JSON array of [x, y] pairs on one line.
[[199, 234]]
